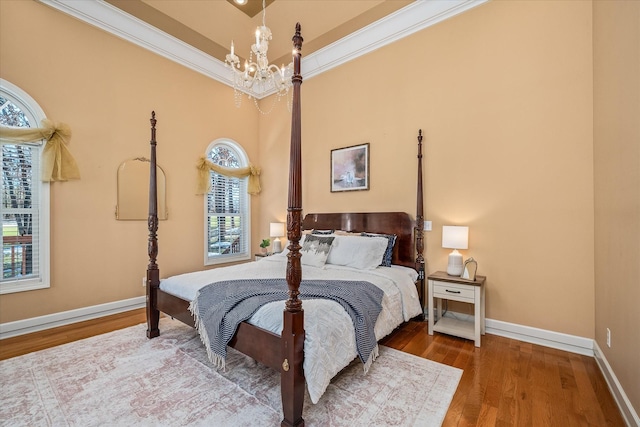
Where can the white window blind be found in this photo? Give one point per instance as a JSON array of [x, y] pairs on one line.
[[227, 208], [25, 199]]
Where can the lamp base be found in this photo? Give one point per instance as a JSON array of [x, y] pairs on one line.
[[277, 246], [454, 268]]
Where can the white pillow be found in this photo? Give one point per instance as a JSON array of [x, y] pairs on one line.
[[363, 253], [315, 249]]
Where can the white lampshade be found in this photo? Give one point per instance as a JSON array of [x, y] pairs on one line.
[[455, 237], [276, 229]]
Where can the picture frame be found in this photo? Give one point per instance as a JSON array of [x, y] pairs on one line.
[[350, 168]]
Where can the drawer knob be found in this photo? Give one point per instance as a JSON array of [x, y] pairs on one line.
[[452, 292]]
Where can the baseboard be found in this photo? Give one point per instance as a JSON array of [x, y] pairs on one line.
[[566, 342], [543, 337], [628, 412], [571, 343], [35, 324], [547, 338]]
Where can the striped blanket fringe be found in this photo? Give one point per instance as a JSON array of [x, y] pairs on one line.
[[218, 361], [372, 357]]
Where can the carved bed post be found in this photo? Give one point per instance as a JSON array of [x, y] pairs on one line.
[[292, 380], [153, 274], [420, 226]]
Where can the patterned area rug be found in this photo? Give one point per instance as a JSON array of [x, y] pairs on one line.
[[124, 379]]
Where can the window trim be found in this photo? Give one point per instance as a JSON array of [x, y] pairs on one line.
[[244, 161], [35, 114]]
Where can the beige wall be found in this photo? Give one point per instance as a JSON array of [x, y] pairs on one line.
[[617, 187], [507, 151], [503, 94], [105, 89]]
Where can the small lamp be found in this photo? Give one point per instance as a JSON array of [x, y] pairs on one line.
[[455, 237], [276, 229]]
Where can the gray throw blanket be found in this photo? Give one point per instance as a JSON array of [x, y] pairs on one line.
[[219, 308]]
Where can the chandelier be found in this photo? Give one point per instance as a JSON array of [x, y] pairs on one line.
[[258, 77]]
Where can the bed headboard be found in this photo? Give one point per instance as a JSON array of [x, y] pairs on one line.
[[398, 223]]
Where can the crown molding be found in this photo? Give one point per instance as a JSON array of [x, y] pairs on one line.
[[404, 22], [415, 17]]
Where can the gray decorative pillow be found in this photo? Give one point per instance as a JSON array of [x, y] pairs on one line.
[[315, 250]]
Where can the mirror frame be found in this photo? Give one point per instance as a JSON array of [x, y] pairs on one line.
[[469, 269], [133, 191]]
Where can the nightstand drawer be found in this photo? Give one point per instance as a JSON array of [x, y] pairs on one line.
[[453, 291]]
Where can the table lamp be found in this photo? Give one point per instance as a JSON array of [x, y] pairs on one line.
[[455, 237], [276, 229]]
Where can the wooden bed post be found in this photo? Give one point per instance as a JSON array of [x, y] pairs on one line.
[[420, 226], [153, 274], [292, 375]]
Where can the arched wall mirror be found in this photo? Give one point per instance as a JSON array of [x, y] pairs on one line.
[[133, 190]]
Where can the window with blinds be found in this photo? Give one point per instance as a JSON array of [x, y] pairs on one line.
[[227, 212], [25, 199]]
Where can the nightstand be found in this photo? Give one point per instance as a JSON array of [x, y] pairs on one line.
[[453, 288], [256, 257]]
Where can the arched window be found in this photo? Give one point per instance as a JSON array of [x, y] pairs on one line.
[[227, 207], [25, 198]]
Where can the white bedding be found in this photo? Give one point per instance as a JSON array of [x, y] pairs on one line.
[[329, 343]]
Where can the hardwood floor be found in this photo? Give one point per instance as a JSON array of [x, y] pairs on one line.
[[505, 382], [23, 344], [512, 383]]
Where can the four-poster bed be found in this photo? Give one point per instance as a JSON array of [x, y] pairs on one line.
[[284, 349]]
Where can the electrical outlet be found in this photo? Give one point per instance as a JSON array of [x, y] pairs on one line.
[[427, 226], [144, 282], [608, 338]]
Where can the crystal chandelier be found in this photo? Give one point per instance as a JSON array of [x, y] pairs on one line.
[[258, 77]]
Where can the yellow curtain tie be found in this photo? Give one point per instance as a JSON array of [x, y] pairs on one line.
[[204, 166], [57, 162]]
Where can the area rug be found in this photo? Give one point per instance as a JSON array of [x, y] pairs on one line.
[[124, 379]]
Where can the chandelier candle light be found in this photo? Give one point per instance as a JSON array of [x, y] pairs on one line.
[[259, 78], [455, 237]]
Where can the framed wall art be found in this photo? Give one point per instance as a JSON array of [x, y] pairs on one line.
[[350, 168]]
